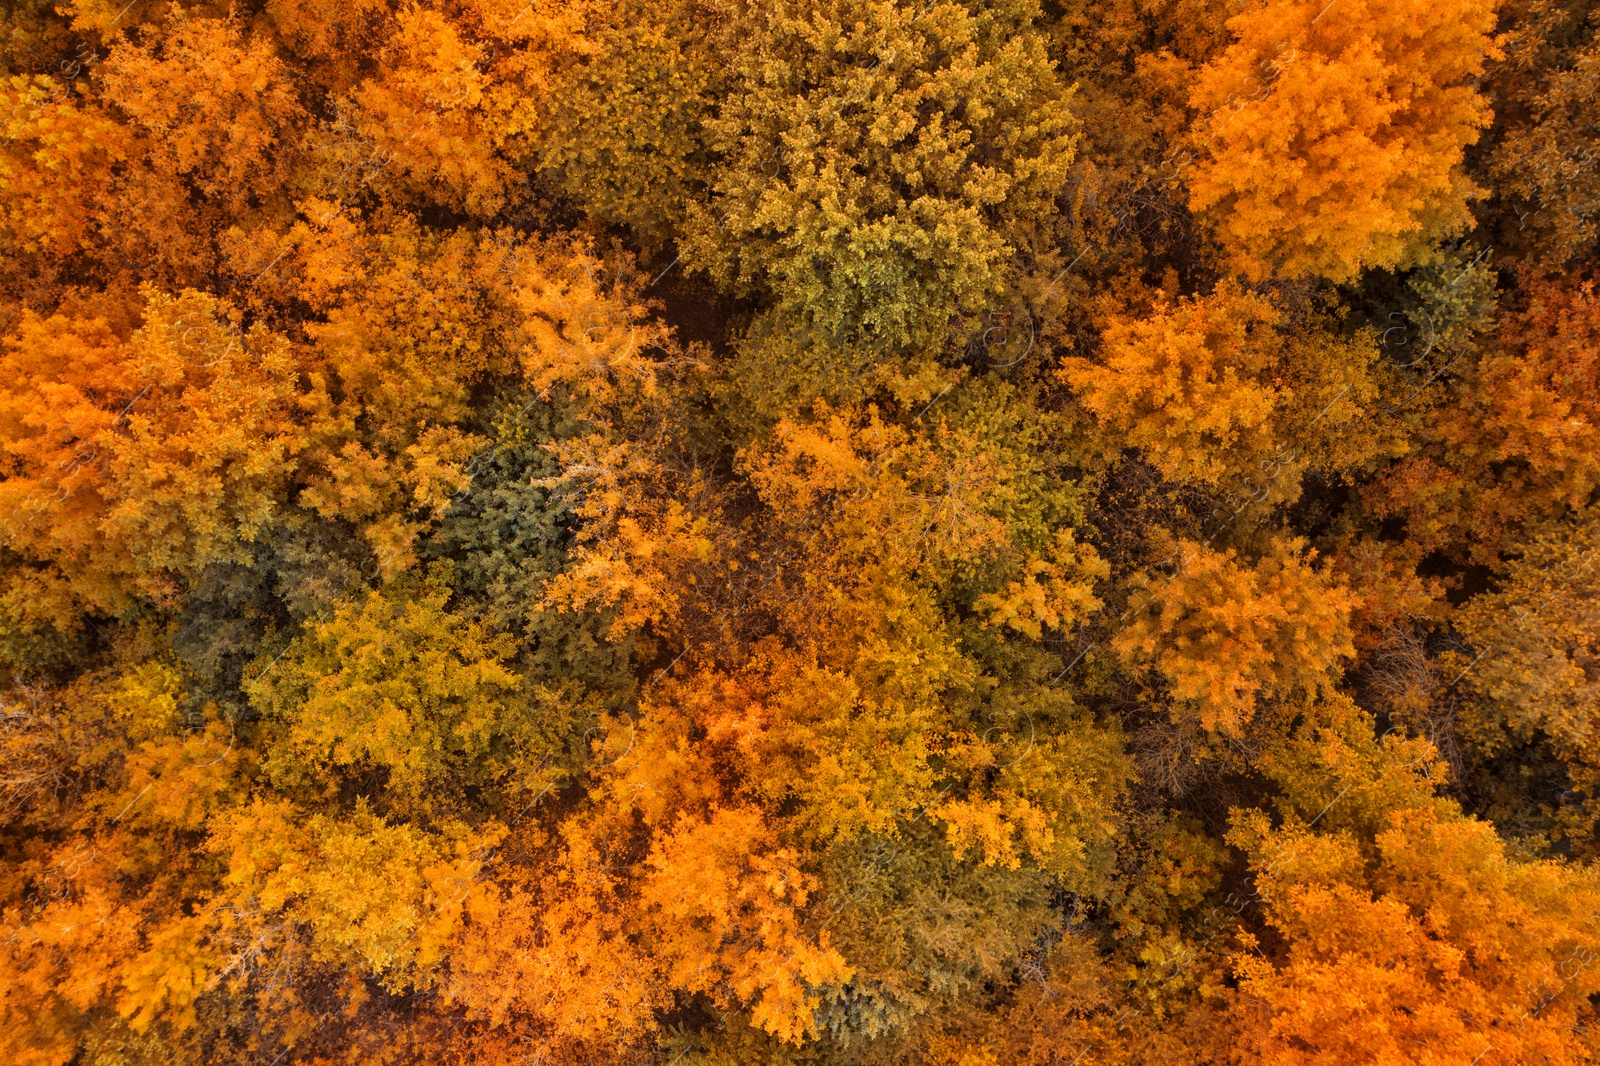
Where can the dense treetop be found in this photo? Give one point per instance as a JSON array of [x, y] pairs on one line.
[[831, 532]]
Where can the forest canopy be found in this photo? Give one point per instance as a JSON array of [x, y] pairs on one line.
[[825, 533]]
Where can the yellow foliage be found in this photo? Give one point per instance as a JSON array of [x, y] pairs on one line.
[[1055, 591]]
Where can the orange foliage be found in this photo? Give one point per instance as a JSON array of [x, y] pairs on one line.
[[166, 451], [1334, 133], [589, 532], [1225, 635]]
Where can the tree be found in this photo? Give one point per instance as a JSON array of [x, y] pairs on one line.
[[1331, 138], [1550, 138], [215, 111], [99, 922], [626, 136], [130, 460], [1515, 449], [879, 166], [399, 690], [1535, 640], [1226, 634], [1405, 924], [1214, 392], [588, 531]]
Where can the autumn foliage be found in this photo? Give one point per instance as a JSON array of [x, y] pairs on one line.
[[830, 532]]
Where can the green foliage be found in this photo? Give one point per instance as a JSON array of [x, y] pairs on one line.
[[855, 532]]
